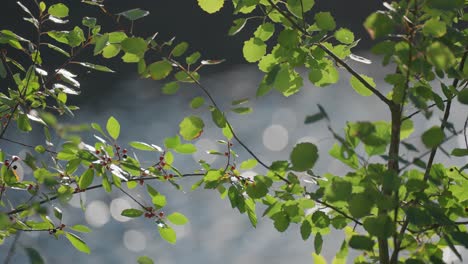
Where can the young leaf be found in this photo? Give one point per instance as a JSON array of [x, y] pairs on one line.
[[80, 228], [58, 10], [211, 6], [325, 21], [197, 102], [359, 87], [77, 242], [144, 146], [144, 260], [177, 218], [132, 213], [160, 69], [86, 179], [254, 49], [113, 127], [191, 127], [134, 14], [344, 36], [168, 234], [248, 164]]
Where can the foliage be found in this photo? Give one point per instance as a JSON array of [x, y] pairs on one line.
[[408, 209]]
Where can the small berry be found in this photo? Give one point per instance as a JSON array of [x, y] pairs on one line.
[[6, 162], [117, 148], [15, 167], [98, 152], [91, 166], [124, 156], [15, 158], [30, 186], [233, 167], [142, 182], [124, 151], [226, 154], [161, 158]]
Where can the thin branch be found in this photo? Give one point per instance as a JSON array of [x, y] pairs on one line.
[[98, 186], [26, 145]]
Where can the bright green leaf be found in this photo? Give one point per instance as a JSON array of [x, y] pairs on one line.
[[113, 127], [191, 127], [177, 218], [78, 243]]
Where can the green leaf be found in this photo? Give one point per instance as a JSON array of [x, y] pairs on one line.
[[213, 175], [159, 200], [459, 152], [361, 243], [239, 24], [177, 218], [359, 87], [380, 226], [34, 256], [185, 149], [78, 243], [218, 118], [318, 259], [318, 243], [143, 146], [434, 28], [132, 213], [306, 229], [360, 205], [23, 123], [134, 45], [144, 260], [101, 44], [211, 6], [227, 132], [168, 234], [297, 7], [134, 14], [250, 208], [242, 110], [191, 127], [197, 102], [463, 96], [433, 137], [171, 88], [80, 228], [113, 127], [180, 49], [95, 67], [58, 10], [194, 57], [248, 164], [344, 36], [304, 156], [160, 69], [407, 128], [325, 21], [379, 25], [172, 142], [86, 179], [254, 49], [338, 190], [439, 55], [265, 31]]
